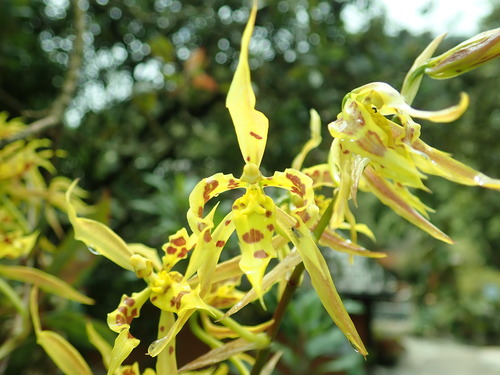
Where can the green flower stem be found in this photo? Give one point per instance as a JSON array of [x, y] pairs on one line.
[[292, 285], [214, 343], [260, 339]]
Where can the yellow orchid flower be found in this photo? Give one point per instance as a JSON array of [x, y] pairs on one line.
[[385, 157], [254, 216]]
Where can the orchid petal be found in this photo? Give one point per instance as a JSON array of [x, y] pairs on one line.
[[336, 242], [99, 343], [177, 248], [251, 125], [312, 143], [390, 196], [321, 279], [98, 236], [157, 346], [166, 362], [205, 190], [128, 309], [466, 56], [124, 344], [301, 187], [170, 291], [278, 273], [255, 222], [433, 161]]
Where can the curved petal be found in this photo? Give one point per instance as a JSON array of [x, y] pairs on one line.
[[321, 279], [251, 125], [255, 223]]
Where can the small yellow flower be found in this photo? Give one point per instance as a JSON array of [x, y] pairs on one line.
[[386, 157]]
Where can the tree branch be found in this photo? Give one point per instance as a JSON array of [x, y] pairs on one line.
[[56, 110]]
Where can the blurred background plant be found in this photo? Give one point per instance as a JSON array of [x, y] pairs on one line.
[[146, 118]]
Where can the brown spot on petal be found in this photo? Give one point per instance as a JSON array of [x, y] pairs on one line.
[[200, 211], [270, 227], [260, 254], [120, 320], [227, 222], [162, 328], [232, 184], [170, 349], [255, 135], [129, 302], [181, 241], [182, 253], [176, 301], [269, 213], [253, 236], [171, 250], [299, 187], [209, 187], [220, 243], [207, 237]]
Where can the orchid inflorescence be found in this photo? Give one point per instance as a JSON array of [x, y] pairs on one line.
[[376, 148]]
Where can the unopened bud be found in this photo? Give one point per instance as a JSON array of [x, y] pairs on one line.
[[466, 56]]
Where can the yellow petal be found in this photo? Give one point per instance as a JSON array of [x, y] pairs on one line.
[[205, 190], [301, 187], [251, 125], [336, 242], [368, 134], [466, 56], [389, 195], [99, 343], [160, 344], [177, 248], [170, 291], [278, 273], [255, 222], [321, 176], [147, 252], [128, 309], [98, 236], [439, 163], [45, 281], [321, 279], [64, 355], [312, 143], [124, 344], [14, 245], [166, 362]]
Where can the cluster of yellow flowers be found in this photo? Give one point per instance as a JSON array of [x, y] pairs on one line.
[[376, 147]]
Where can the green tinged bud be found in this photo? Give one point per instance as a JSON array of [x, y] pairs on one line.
[[466, 56]]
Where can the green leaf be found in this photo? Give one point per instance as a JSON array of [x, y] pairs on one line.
[[98, 236], [45, 281]]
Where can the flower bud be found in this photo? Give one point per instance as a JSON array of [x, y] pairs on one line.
[[466, 56]]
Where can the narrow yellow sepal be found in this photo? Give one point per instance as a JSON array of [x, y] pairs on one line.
[[251, 125], [98, 236]]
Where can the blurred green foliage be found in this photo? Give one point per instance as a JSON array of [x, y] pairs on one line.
[[149, 119]]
